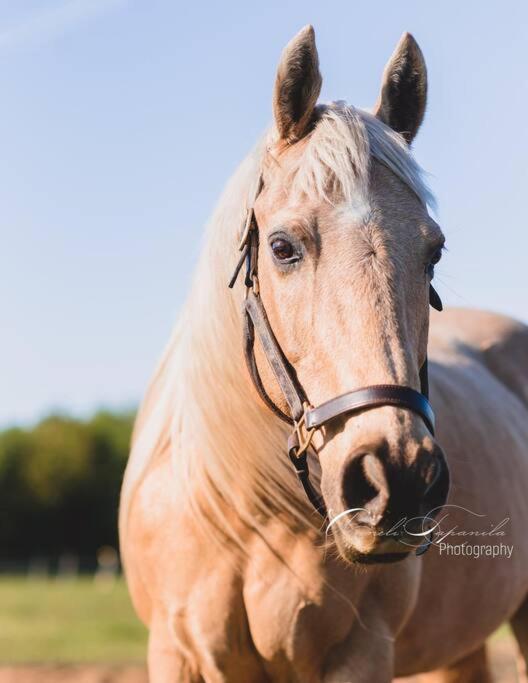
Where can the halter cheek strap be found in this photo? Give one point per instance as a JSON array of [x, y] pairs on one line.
[[304, 417]]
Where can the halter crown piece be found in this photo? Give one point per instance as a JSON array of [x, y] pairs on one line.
[[305, 418]]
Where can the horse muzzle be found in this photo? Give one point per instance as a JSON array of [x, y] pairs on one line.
[[386, 504]]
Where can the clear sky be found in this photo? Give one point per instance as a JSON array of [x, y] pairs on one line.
[[121, 121]]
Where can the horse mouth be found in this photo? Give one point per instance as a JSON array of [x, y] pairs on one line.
[[365, 546], [381, 558]]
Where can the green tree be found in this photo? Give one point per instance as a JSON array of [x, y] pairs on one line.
[[59, 485]]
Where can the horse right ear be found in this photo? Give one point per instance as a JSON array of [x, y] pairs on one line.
[[403, 96], [297, 86]]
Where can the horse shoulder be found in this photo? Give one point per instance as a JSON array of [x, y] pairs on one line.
[[159, 545], [184, 584]]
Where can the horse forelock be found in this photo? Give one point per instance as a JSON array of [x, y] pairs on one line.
[[338, 153]]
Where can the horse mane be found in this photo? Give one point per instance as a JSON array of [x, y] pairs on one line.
[[228, 450]]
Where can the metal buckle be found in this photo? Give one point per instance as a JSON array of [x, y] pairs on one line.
[[304, 436], [254, 285]]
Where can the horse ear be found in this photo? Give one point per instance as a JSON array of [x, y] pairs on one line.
[[403, 95], [297, 86]]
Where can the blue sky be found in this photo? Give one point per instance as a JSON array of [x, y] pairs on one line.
[[122, 120]]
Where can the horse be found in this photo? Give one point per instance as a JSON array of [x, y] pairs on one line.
[[411, 549]]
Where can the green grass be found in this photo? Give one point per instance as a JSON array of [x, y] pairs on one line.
[[73, 620], [68, 620]]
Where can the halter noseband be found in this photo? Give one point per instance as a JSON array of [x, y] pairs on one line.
[[303, 416]]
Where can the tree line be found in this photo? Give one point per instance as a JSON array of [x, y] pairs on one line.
[[59, 485]]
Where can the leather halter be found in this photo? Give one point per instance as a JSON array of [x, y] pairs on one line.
[[303, 416]]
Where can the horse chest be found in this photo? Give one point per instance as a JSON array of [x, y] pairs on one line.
[[292, 622]]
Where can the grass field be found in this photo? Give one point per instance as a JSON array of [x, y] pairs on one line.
[[65, 621], [68, 620]]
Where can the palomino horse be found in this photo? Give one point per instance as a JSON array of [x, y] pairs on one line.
[[237, 576]]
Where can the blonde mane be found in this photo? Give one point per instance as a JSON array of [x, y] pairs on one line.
[[228, 449]]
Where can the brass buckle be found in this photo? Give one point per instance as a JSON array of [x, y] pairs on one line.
[[304, 436]]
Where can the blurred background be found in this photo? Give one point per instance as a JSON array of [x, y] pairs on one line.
[[120, 123]]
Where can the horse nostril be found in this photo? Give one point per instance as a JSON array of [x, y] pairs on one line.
[[436, 492], [365, 486]]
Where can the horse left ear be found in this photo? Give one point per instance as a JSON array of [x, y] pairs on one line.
[[403, 95], [297, 86]]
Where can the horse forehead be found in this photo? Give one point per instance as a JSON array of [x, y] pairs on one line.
[[392, 197], [384, 205]]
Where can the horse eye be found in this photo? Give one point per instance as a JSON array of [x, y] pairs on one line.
[[435, 258], [282, 249]]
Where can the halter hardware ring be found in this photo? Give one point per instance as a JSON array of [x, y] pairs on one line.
[[305, 439], [254, 286]]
